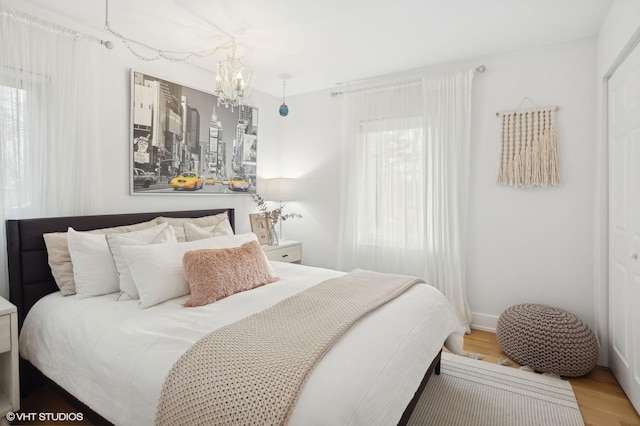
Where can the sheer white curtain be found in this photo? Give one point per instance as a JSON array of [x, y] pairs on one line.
[[405, 181], [382, 224], [49, 146], [447, 110]]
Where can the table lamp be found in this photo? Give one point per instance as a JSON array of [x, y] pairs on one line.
[[279, 189]]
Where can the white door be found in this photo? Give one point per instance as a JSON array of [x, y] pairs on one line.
[[624, 225]]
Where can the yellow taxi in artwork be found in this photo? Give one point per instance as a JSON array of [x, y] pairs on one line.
[[238, 183], [187, 180]]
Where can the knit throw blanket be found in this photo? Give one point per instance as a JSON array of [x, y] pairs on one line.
[[252, 371]]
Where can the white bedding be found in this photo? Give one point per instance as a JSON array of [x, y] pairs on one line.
[[114, 356]]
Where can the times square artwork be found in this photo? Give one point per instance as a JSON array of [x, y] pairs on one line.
[[183, 141]]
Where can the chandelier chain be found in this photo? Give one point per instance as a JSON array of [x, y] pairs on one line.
[[231, 88], [173, 56]]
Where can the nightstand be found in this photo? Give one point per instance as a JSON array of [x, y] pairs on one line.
[[9, 370], [287, 251]]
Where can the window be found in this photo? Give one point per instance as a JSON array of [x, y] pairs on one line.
[[405, 161], [12, 126], [390, 183]]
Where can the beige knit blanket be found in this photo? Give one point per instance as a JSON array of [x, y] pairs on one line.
[[252, 371]]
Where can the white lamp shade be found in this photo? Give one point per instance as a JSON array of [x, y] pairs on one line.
[[279, 189]]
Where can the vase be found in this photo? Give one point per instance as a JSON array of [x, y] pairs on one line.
[[272, 237]]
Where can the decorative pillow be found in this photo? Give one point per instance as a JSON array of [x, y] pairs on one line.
[[194, 232], [214, 274], [178, 223], [157, 270], [60, 259], [117, 241], [94, 269]]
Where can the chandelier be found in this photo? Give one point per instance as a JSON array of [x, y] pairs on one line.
[[231, 88]]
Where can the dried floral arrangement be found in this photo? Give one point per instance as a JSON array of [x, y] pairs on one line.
[[274, 215]]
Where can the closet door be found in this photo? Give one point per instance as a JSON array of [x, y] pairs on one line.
[[624, 225]]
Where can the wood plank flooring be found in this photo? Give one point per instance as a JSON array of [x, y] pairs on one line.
[[602, 401]]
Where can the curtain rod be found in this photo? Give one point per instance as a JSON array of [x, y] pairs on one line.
[[479, 68], [50, 26]]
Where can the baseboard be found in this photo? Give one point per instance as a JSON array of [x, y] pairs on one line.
[[484, 322]]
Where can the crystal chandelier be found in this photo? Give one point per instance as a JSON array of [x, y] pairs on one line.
[[231, 87]]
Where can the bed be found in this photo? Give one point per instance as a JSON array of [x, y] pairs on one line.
[[114, 356]]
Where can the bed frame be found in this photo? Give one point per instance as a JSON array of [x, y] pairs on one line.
[[30, 279]]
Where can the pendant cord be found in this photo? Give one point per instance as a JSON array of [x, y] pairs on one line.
[[284, 82]]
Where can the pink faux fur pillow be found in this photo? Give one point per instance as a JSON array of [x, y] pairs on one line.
[[214, 274]]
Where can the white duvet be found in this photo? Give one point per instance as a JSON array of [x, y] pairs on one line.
[[114, 356]]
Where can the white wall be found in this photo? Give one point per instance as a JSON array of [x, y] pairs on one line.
[[620, 28], [526, 245], [310, 152], [534, 245]]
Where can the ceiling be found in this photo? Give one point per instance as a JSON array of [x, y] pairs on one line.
[[327, 42]]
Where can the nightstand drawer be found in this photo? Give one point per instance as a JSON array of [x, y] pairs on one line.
[[5, 333], [289, 254]]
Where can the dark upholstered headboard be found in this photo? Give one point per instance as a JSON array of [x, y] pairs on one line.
[[29, 273]]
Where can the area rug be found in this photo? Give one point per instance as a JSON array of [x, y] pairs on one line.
[[470, 392]]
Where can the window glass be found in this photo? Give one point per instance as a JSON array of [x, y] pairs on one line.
[[12, 126], [391, 183]]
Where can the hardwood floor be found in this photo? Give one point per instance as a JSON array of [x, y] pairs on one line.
[[602, 401]]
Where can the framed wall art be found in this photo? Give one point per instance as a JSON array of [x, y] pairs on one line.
[[260, 226], [182, 141]]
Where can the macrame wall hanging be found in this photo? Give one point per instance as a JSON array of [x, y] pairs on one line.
[[529, 148]]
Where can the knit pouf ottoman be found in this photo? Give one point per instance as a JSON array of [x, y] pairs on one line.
[[548, 339]]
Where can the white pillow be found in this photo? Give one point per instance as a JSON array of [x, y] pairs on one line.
[[178, 223], [60, 259], [94, 270], [117, 241], [157, 269], [194, 232]]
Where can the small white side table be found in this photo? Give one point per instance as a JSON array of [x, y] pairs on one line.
[[287, 251], [9, 367]]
